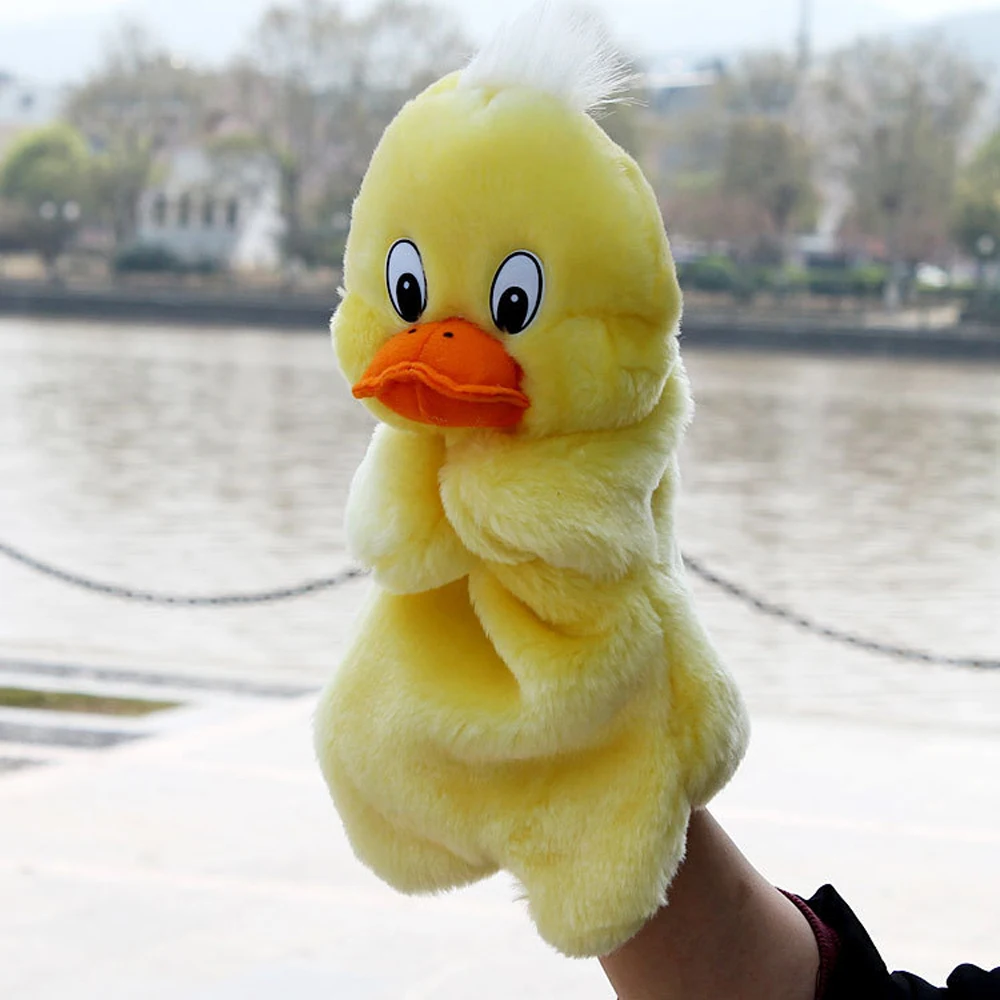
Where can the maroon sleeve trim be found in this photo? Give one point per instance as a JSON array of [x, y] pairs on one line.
[[826, 940]]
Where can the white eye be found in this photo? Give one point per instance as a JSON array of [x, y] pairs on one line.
[[517, 292], [404, 277]]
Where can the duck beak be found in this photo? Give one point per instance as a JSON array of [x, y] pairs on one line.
[[450, 374]]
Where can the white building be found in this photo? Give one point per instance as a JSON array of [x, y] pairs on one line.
[[219, 208], [677, 87], [24, 106]]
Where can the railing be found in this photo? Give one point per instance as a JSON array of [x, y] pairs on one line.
[[695, 566]]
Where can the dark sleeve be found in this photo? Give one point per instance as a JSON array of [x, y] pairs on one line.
[[859, 973]]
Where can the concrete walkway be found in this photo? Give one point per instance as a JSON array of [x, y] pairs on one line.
[[207, 864]]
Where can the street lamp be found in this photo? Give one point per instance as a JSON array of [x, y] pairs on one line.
[[805, 35], [986, 247], [58, 223], [50, 211]]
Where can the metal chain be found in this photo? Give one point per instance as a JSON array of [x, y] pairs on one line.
[[178, 600], [784, 614], [759, 604]]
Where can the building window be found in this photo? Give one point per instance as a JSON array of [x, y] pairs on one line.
[[184, 211], [160, 210], [208, 213], [232, 213]]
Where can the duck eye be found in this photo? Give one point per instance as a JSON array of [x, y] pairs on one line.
[[517, 292], [407, 284]]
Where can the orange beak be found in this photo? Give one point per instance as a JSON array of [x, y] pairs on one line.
[[450, 374]]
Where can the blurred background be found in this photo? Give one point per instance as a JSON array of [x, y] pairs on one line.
[[831, 153], [176, 182]]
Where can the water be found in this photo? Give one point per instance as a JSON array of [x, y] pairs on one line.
[[865, 493]]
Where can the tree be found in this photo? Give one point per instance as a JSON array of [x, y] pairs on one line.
[[749, 177], [977, 210], [319, 86], [699, 209], [45, 180], [138, 103], [770, 165], [900, 114], [760, 84]]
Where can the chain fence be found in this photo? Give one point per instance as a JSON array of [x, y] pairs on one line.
[[179, 600], [695, 566], [773, 610]]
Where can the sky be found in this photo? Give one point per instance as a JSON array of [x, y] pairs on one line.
[[13, 11], [59, 40]]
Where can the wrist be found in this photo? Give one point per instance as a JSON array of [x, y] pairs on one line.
[[726, 934]]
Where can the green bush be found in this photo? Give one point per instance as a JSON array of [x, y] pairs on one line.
[[316, 247], [204, 266], [830, 282], [870, 279], [836, 282], [984, 308], [721, 274], [781, 280], [710, 274], [148, 258]]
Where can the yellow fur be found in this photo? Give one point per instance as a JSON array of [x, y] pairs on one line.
[[530, 688]]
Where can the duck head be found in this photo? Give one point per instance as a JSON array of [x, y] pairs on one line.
[[506, 268]]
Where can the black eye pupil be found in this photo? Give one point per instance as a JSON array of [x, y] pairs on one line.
[[512, 310], [409, 299]]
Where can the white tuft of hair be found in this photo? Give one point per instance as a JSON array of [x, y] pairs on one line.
[[556, 49]]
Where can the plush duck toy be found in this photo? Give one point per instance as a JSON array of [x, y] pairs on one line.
[[529, 688]]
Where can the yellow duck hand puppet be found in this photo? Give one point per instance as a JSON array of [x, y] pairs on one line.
[[529, 687]]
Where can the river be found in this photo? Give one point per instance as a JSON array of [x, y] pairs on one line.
[[863, 493]]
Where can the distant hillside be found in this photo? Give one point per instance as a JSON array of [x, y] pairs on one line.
[[725, 27], [978, 33]]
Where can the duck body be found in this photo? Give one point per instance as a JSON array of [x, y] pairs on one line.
[[528, 715], [529, 688]]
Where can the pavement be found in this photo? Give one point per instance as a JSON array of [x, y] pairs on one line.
[[202, 860]]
